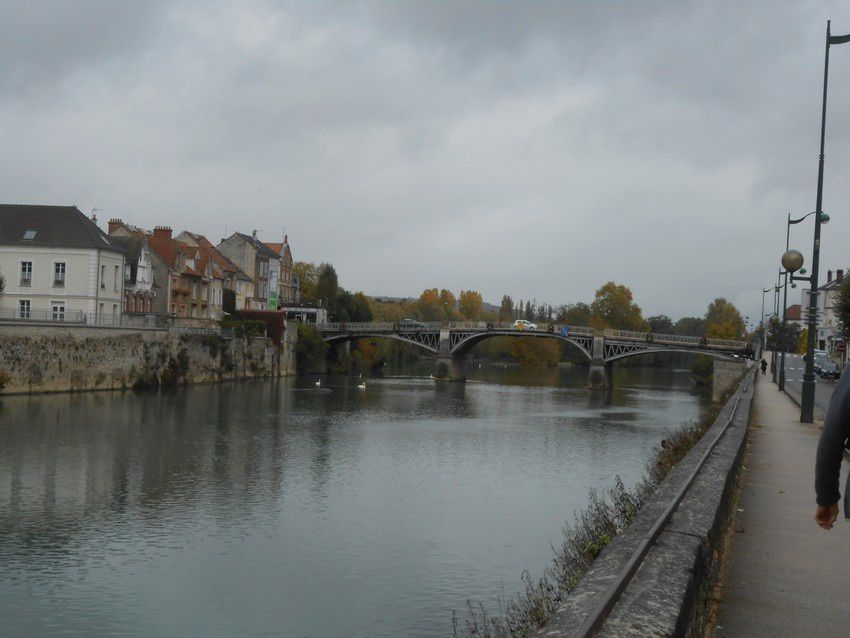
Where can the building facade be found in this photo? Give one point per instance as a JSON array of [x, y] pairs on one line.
[[289, 289], [259, 262], [59, 266], [830, 337], [139, 292]]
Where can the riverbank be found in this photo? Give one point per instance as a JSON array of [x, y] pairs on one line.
[[44, 359]]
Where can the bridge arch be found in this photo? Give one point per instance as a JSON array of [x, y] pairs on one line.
[[714, 354], [462, 343], [419, 340]]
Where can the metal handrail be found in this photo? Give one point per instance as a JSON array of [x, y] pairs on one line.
[[595, 619]]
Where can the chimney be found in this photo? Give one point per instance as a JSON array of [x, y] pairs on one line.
[[828, 276], [839, 275], [286, 239], [113, 225], [162, 231], [254, 234]]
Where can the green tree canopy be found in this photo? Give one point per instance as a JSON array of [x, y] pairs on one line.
[[327, 285], [429, 307], [614, 307], [576, 314], [690, 327], [841, 307], [660, 324]]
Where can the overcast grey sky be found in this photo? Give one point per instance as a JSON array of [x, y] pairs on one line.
[[535, 149]]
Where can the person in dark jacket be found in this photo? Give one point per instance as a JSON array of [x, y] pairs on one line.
[[833, 440], [763, 367]]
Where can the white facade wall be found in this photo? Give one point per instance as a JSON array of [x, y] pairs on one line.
[[80, 291]]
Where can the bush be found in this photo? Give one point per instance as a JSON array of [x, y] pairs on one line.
[[311, 350], [5, 377]]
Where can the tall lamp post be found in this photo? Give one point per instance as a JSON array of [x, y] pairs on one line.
[[807, 409], [774, 364], [761, 320], [824, 219]]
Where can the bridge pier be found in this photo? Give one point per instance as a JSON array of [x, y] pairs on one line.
[[599, 376], [450, 368]]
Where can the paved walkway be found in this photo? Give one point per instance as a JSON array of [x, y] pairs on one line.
[[784, 576]]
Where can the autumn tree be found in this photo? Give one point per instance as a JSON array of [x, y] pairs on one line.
[[506, 309], [471, 304], [614, 307], [429, 306], [308, 276], [723, 321], [447, 301]]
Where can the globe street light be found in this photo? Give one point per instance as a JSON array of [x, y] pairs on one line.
[[792, 261]]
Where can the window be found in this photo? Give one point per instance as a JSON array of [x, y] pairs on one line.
[[26, 273], [115, 312], [24, 308], [58, 310], [115, 281], [102, 276], [30, 234], [59, 273], [127, 276]]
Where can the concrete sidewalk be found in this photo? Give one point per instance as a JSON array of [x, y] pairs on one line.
[[783, 575]]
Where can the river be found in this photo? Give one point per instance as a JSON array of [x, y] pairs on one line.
[[279, 508]]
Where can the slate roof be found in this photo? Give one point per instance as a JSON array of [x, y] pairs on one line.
[[54, 226], [132, 246], [259, 246]]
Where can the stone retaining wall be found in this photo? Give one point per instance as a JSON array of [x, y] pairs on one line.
[[669, 593], [50, 359]]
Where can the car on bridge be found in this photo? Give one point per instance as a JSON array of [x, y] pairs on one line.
[[522, 324], [408, 323]]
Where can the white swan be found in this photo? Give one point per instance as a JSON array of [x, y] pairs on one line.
[[362, 386], [318, 384]]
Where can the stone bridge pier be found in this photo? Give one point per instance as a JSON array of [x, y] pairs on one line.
[[599, 376], [449, 367]]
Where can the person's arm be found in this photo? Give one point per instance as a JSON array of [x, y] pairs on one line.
[[835, 432]]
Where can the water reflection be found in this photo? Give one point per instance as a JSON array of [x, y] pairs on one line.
[[281, 508]]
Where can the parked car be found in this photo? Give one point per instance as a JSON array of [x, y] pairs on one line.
[[820, 360], [830, 370], [522, 324], [410, 323]]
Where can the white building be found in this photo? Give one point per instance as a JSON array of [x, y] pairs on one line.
[[58, 266], [830, 338]]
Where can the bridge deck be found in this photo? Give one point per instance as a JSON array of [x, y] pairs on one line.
[[562, 330]]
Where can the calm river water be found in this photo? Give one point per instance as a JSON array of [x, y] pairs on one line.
[[283, 509]]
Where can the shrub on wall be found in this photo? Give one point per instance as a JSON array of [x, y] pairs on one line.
[[311, 349]]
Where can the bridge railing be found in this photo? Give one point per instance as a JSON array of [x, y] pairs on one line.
[[401, 326], [722, 344]]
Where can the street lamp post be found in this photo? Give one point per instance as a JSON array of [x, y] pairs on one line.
[[824, 218], [807, 409], [761, 319]]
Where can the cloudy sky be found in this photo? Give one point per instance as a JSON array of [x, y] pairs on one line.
[[536, 149]]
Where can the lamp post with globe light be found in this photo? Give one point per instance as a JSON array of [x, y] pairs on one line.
[[792, 261]]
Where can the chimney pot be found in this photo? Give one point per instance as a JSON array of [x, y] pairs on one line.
[[114, 223], [828, 276], [839, 275], [162, 231]]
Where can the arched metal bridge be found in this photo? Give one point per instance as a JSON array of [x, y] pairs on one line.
[[451, 341]]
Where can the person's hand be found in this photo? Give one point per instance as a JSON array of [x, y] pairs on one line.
[[826, 514]]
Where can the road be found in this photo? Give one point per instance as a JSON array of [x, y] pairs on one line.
[[794, 368]]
